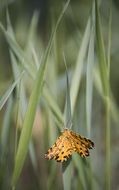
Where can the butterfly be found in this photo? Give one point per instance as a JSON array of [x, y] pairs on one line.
[[67, 143]]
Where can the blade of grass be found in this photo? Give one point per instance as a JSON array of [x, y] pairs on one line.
[[21, 110], [101, 52], [9, 91], [67, 111], [53, 106], [30, 114], [89, 80], [75, 83], [20, 93], [67, 174], [109, 37], [104, 75], [108, 130], [6, 125], [52, 135], [89, 86], [30, 42], [4, 140], [78, 164], [67, 167], [113, 107], [33, 156]]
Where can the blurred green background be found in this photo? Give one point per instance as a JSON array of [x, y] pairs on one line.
[[25, 30]]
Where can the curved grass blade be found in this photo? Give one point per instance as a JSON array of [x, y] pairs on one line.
[[6, 125], [31, 110], [9, 91]]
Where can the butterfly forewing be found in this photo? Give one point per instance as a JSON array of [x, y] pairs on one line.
[[81, 144], [61, 150]]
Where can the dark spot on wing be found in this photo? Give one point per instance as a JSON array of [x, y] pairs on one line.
[[86, 139], [58, 160], [81, 153], [55, 144], [56, 157], [87, 153]]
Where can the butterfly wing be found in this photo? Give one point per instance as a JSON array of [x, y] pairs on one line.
[[82, 144], [61, 150]]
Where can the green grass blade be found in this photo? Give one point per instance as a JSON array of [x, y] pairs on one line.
[[30, 114], [28, 124], [89, 76], [67, 174], [89, 85], [6, 125], [75, 84], [101, 53], [32, 154], [20, 89], [9, 91], [67, 167], [113, 107], [104, 75], [67, 111], [53, 106], [80, 168], [109, 37]]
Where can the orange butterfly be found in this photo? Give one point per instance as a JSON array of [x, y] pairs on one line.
[[67, 143]]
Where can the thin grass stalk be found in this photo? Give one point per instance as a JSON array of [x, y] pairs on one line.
[[104, 74], [53, 106], [108, 147], [6, 124], [67, 111], [109, 37], [67, 167], [17, 118], [18, 89], [76, 78], [80, 168], [51, 137], [89, 77], [108, 133], [89, 88]]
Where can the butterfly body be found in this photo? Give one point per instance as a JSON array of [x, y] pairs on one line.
[[67, 143]]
